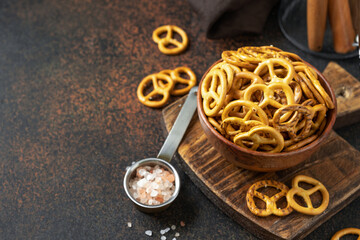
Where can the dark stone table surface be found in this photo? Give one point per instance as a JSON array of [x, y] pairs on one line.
[[71, 122]]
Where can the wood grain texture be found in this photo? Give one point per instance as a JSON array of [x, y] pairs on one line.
[[336, 164], [347, 91]]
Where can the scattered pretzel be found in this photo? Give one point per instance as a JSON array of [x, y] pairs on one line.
[[346, 231], [305, 194], [153, 79], [165, 83], [164, 43], [271, 207], [175, 75]]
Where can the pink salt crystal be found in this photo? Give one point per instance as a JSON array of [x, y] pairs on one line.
[[159, 199], [154, 193], [170, 178], [182, 223]]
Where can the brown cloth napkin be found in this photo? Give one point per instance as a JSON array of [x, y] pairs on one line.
[[230, 18]]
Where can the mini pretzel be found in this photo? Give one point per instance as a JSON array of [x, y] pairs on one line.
[[291, 145], [154, 79], [319, 112], [232, 123], [163, 43], [268, 94], [346, 231], [230, 71], [260, 135], [306, 91], [216, 125], [258, 54], [175, 75], [300, 66], [271, 207], [233, 58], [242, 81], [269, 64], [319, 88], [251, 111], [311, 88], [305, 194], [295, 86], [255, 54], [290, 126], [213, 91]]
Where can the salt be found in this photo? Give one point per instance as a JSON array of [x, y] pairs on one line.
[[177, 234], [148, 232], [154, 193], [153, 183], [141, 183], [173, 227], [163, 238], [150, 177], [142, 172], [129, 224]]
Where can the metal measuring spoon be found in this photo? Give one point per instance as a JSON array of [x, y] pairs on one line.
[[165, 155]]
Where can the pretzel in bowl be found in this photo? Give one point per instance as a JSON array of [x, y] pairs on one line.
[[290, 126], [305, 195], [269, 66], [235, 125], [164, 43], [267, 85], [270, 201], [264, 137], [213, 91], [346, 231], [269, 92], [242, 81], [233, 58], [251, 111]]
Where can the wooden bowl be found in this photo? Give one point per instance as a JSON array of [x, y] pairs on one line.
[[262, 161]]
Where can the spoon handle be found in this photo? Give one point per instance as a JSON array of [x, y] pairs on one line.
[[179, 128]]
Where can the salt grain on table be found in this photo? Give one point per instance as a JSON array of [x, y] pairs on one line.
[[152, 185], [148, 232]]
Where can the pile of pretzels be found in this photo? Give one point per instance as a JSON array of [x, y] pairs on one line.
[[265, 99]]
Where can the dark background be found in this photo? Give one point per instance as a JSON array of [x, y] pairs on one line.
[[70, 120]]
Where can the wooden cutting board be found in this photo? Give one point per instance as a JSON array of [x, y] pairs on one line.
[[226, 185]]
